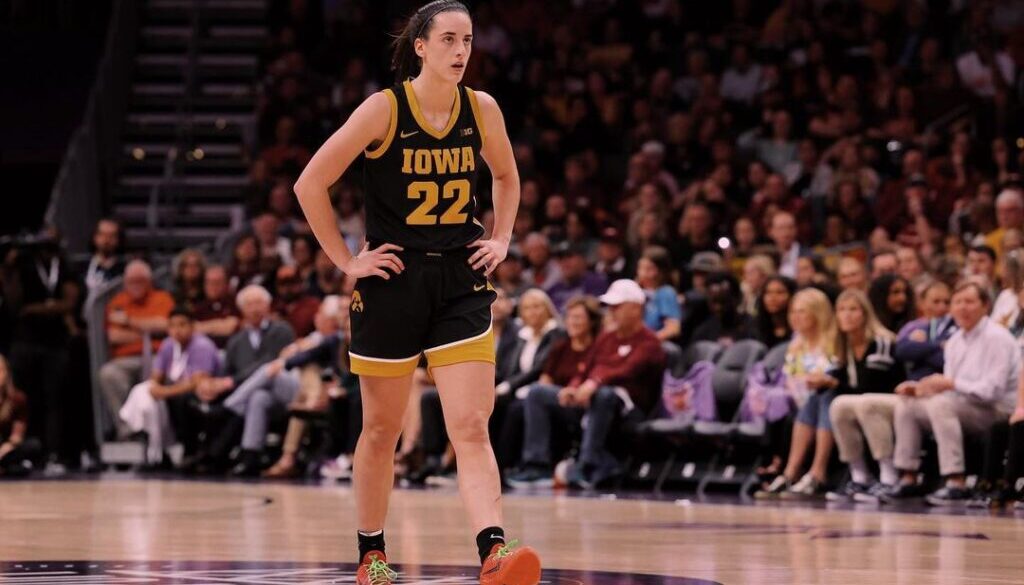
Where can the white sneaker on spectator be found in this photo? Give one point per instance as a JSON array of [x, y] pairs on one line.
[[873, 495], [55, 469], [338, 468], [807, 487], [774, 489], [446, 479]]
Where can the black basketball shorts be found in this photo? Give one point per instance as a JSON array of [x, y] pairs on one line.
[[438, 306]]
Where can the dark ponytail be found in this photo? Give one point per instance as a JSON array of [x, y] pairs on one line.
[[404, 60]]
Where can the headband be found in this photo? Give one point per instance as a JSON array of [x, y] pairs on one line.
[[441, 8]]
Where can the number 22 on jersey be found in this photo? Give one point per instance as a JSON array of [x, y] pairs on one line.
[[428, 191]]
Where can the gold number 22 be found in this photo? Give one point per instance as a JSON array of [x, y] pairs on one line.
[[428, 192]]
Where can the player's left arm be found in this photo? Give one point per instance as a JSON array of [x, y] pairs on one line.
[[497, 153]]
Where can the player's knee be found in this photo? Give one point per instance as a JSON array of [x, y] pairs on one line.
[[381, 433], [469, 428]]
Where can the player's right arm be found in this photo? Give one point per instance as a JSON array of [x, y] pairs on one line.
[[367, 124]]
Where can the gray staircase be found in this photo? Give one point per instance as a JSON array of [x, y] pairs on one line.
[[182, 168]]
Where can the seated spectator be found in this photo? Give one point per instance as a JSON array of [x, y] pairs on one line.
[[259, 341], [975, 390], [809, 358], [292, 303], [811, 272], [328, 279], [245, 268], [1007, 306], [285, 154], [1009, 216], [136, 317], [700, 268], [865, 378], [106, 263], [189, 268], [509, 274], [783, 233], [542, 270], [216, 316], [884, 262], [545, 408], [281, 204], [576, 279], [756, 271], [16, 449], [612, 260], [619, 382], [911, 267], [312, 356], [920, 343], [304, 249], [695, 234], [726, 323], [893, 301], [852, 274], [160, 406], [981, 266], [539, 330], [772, 321], [662, 312], [274, 249]]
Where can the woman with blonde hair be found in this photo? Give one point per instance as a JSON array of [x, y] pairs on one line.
[[867, 374], [809, 358]]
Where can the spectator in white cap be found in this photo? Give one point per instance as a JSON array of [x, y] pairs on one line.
[[617, 384]]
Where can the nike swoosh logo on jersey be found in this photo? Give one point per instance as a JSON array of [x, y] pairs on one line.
[[408, 134], [479, 287]]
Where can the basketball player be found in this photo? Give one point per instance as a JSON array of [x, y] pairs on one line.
[[423, 284]]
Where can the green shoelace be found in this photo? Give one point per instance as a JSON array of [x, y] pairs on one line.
[[379, 572], [506, 549]]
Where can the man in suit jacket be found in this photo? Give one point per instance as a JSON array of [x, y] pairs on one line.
[[259, 341]]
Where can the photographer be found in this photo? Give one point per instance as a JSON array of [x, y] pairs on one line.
[[43, 295]]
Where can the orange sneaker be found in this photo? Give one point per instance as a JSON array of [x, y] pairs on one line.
[[374, 570], [509, 565]]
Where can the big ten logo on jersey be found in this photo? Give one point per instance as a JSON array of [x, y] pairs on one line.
[[434, 162], [438, 161]]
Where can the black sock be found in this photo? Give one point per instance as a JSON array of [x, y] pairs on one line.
[[370, 542], [486, 540]]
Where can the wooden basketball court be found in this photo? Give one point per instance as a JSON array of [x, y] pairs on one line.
[[126, 530]]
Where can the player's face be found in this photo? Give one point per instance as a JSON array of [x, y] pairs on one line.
[[448, 45]]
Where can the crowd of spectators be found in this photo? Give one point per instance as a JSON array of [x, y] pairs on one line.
[[827, 174]]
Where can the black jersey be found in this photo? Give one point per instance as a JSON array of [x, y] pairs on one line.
[[421, 182]]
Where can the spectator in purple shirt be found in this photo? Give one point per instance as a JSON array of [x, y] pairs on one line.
[[160, 406], [576, 278]]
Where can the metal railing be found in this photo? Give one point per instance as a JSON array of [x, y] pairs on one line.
[[81, 193]]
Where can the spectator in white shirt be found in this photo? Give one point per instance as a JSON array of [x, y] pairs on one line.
[[741, 81], [783, 234], [976, 389]]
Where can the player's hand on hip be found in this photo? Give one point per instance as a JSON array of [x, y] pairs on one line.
[[376, 262], [489, 253]]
